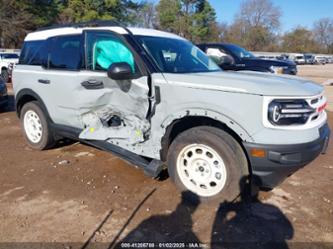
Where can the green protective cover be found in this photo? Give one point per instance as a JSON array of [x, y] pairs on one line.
[[110, 51]]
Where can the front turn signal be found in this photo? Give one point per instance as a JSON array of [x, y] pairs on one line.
[[258, 153]]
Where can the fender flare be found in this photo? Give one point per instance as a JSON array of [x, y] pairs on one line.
[[199, 112], [26, 92]]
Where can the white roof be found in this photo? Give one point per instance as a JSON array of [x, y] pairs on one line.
[[154, 32], [45, 34]]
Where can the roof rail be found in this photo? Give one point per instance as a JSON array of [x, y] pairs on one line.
[[93, 23]]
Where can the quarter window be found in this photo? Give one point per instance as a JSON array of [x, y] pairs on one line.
[[34, 53]]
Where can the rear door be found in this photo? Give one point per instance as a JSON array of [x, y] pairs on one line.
[[86, 98]]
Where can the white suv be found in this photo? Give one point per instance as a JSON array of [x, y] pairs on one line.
[[7, 62], [156, 99]]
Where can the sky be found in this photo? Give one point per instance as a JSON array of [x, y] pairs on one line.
[[294, 12]]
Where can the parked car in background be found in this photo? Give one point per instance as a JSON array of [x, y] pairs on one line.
[[7, 62], [267, 57], [236, 58], [299, 59], [327, 58], [3, 94], [282, 58], [157, 100], [285, 57], [320, 60], [309, 59]]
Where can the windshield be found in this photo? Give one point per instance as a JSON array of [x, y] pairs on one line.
[[239, 51], [177, 55], [9, 56]]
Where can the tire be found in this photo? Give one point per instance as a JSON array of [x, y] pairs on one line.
[[5, 75], [35, 126], [209, 163]]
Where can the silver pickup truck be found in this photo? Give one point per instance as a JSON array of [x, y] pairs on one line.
[[158, 101]]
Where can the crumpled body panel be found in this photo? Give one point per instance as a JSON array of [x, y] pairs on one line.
[[118, 112], [131, 128]]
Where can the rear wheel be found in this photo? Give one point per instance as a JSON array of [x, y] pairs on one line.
[[209, 163], [36, 126]]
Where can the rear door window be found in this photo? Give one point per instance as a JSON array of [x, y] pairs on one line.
[[66, 53]]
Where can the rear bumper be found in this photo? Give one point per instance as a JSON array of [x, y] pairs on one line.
[[281, 161]]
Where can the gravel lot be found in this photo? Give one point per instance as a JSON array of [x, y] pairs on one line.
[[75, 193]]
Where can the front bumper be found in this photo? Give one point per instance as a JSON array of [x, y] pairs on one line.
[[280, 161]]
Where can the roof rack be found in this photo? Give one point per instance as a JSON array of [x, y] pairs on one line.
[[93, 23]]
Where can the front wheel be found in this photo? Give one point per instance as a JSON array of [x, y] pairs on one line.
[[209, 163]]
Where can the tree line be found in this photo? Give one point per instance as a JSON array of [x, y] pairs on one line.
[[256, 26]]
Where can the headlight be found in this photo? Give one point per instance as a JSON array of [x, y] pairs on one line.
[[277, 70], [289, 112]]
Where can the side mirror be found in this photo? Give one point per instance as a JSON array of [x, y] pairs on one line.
[[226, 60], [120, 71]]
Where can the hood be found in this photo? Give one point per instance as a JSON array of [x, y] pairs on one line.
[[268, 63], [247, 82]]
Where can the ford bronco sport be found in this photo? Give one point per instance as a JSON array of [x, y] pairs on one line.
[[155, 99]]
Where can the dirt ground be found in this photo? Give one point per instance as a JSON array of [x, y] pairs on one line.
[[75, 196]]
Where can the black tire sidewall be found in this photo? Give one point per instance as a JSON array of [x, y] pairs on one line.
[[5, 75], [228, 149], [46, 139]]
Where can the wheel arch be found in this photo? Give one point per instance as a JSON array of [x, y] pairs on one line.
[[27, 95], [200, 118]]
